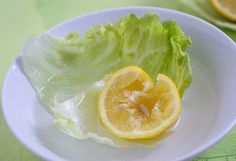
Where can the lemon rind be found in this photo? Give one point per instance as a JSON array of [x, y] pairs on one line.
[[139, 134]]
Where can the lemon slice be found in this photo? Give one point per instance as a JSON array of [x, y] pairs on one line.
[[132, 106], [226, 8]]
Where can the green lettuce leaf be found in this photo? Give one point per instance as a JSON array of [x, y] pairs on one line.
[[68, 73]]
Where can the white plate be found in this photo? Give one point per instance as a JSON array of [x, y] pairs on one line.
[[209, 105]]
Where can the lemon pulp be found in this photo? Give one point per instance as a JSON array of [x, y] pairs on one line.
[[132, 106]]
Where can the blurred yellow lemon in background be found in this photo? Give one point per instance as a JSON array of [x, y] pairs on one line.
[[226, 8]]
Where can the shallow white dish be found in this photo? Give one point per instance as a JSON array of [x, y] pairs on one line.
[[209, 105]]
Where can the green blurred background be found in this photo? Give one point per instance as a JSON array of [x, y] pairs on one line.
[[20, 19]]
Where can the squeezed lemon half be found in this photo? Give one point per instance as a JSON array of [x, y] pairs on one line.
[[132, 106], [226, 8]]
